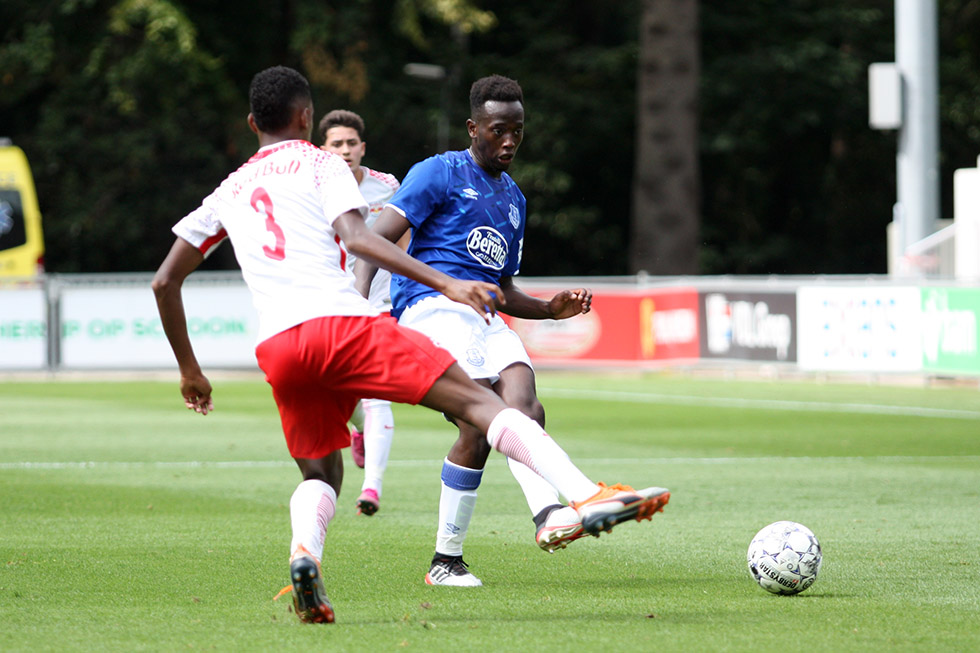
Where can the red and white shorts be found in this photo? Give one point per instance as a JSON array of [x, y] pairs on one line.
[[319, 369]]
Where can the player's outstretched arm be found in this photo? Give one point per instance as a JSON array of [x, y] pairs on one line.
[[167, 283], [565, 304], [368, 245], [390, 225]]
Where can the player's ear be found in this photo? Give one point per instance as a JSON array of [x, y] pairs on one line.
[[306, 120], [471, 127], [251, 123]]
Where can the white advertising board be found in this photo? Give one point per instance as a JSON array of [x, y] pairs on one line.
[[23, 329], [870, 328], [113, 327]]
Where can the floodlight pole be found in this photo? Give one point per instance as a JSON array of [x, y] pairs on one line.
[[435, 73], [916, 39]]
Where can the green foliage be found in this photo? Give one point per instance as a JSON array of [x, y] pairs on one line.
[[787, 155], [794, 179], [130, 111], [26, 61], [577, 65], [959, 88], [461, 15], [127, 135]]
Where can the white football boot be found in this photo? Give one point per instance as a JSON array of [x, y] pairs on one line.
[[451, 571]]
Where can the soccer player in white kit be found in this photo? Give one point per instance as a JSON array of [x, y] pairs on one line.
[[373, 424], [292, 213]]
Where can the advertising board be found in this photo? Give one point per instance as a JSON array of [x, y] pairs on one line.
[[23, 329], [949, 330], [859, 328], [748, 326], [623, 327], [120, 328]]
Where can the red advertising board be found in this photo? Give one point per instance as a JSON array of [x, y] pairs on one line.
[[624, 327]]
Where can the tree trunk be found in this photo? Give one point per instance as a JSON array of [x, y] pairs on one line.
[[665, 213]]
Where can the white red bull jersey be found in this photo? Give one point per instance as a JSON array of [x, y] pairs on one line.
[[278, 211], [377, 188]]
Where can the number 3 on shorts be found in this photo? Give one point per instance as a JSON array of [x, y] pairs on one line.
[[279, 252]]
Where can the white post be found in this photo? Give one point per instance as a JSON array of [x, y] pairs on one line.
[[918, 139], [966, 217]]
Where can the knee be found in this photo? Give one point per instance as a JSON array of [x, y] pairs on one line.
[[533, 409], [329, 469], [526, 401], [475, 442], [473, 445]]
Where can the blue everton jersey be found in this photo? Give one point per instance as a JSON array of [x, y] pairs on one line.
[[464, 223]]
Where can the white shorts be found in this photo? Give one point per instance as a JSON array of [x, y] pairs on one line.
[[482, 350]]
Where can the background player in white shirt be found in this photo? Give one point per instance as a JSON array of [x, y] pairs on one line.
[[292, 212], [467, 218], [373, 424]]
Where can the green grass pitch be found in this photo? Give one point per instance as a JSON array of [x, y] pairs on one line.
[[130, 524]]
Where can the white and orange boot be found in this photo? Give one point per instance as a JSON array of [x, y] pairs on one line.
[[614, 504]]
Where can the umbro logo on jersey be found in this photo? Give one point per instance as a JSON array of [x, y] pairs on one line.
[[470, 193]]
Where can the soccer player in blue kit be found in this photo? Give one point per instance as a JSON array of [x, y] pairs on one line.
[[467, 218]]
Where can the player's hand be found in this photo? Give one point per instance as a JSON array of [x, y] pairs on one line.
[[196, 391], [569, 303], [483, 297]]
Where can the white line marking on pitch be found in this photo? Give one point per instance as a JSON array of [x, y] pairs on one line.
[[771, 404]]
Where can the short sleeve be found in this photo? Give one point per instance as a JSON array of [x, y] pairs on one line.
[[337, 186], [202, 228], [513, 266], [422, 191]]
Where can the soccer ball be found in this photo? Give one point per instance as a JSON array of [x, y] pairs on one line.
[[784, 558]]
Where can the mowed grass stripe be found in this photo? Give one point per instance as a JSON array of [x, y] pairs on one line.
[[765, 404], [721, 460]]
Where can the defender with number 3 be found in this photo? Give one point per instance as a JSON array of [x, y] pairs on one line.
[[292, 212]]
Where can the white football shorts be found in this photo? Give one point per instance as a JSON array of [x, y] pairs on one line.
[[481, 349]]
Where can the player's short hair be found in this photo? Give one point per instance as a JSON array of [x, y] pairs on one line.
[[342, 118], [495, 88], [273, 95]]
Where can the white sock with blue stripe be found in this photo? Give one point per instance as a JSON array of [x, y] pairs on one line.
[[456, 505]]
